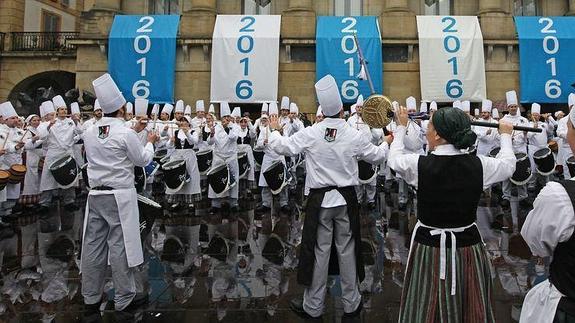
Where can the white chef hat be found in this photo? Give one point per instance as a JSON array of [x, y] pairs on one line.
[[168, 108], [75, 108], [571, 100], [466, 106], [156, 109], [536, 108], [59, 102], [319, 111], [46, 107], [352, 109], [180, 106], [141, 107], [495, 113], [476, 112], [264, 108], [285, 103], [28, 118], [188, 110], [423, 107], [411, 103], [129, 107], [433, 106], [224, 109], [212, 109], [359, 101], [293, 108], [200, 106], [486, 105], [237, 112], [511, 97], [457, 104], [273, 108], [7, 110], [328, 95], [188, 119], [395, 106], [108, 93], [97, 105]]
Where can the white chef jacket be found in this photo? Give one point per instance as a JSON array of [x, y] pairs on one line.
[[494, 169], [291, 127], [225, 144], [330, 163], [551, 222], [197, 122], [486, 142], [538, 140], [414, 138], [519, 139]]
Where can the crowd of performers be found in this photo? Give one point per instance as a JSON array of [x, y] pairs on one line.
[[191, 164]]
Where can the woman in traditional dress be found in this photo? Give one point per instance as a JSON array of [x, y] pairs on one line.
[[33, 147], [246, 138], [448, 277]]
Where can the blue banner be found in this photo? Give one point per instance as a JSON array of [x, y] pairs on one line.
[[337, 54], [547, 67], [142, 56]]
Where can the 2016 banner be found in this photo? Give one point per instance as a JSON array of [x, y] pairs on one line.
[[245, 58], [337, 53], [451, 59], [547, 67], [142, 56]]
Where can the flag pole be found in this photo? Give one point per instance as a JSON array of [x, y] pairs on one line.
[[363, 63]]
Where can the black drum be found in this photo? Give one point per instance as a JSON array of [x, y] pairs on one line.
[[221, 179], [571, 165], [139, 179], [148, 210], [274, 250], [259, 156], [64, 170], [366, 171], [175, 174], [493, 153], [276, 176], [84, 170], [204, 158], [218, 248], [544, 161], [243, 164], [160, 154], [522, 173]]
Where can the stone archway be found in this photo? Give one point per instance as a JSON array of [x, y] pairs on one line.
[[25, 94]]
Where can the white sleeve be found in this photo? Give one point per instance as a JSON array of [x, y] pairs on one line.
[[500, 168], [192, 140], [140, 156], [403, 164], [289, 146], [550, 222]]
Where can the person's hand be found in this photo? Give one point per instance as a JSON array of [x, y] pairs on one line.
[[52, 122], [275, 122], [141, 125], [19, 145], [173, 139], [166, 127], [152, 137], [2, 152], [212, 131], [505, 127], [402, 116], [388, 139], [75, 118], [35, 138]]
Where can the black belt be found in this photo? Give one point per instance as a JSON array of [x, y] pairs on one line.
[[103, 188]]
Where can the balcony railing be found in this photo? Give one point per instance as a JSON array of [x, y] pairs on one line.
[[40, 41]]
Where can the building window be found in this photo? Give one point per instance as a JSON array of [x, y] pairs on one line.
[[164, 7], [50, 22], [256, 7], [525, 8], [437, 7], [347, 7]]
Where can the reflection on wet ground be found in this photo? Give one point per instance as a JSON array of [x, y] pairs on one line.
[[239, 268]]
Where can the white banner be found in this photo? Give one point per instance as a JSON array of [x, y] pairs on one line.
[[245, 58], [451, 60]]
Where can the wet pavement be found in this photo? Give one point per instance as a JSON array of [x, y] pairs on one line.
[[229, 268]]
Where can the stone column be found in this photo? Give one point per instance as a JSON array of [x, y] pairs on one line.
[[199, 21], [298, 20], [397, 20], [571, 11], [96, 22], [496, 23]]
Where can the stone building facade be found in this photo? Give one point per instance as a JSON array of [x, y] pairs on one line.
[[397, 19]]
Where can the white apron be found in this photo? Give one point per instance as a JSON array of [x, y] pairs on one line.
[[32, 178], [540, 303], [127, 200], [248, 150], [193, 186]]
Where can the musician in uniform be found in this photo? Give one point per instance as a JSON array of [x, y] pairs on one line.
[[487, 138], [548, 230], [447, 276], [34, 153], [200, 119], [179, 111], [284, 110], [78, 142], [331, 149], [519, 140], [58, 136], [246, 136], [264, 111], [10, 154], [294, 124], [111, 227], [188, 111], [97, 115], [537, 140]]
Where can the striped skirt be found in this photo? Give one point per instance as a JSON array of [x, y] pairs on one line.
[[427, 298]]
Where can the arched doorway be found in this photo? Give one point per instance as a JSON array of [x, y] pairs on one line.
[[27, 95]]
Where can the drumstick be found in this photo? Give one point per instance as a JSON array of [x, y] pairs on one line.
[[24, 135], [5, 140]]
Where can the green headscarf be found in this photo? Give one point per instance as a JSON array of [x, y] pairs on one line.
[[453, 125]]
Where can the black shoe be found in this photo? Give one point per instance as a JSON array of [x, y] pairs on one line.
[[90, 309], [296, 305], [138, 301], [214, 210], [355, 313]]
